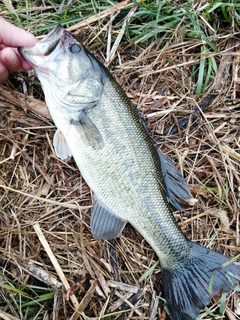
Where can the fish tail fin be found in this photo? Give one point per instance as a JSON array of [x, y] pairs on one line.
[[194, 282]]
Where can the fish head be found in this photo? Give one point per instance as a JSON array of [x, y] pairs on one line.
[[65, 68]]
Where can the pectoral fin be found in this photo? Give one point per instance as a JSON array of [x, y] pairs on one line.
[[91, 133], [61, 146], [104, 224], [176, 187]]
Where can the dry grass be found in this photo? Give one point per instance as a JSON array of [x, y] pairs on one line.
[[45, 239]]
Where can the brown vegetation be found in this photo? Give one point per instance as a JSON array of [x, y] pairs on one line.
[[45, 204]]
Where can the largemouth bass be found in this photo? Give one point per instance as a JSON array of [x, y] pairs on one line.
[[132, 182]]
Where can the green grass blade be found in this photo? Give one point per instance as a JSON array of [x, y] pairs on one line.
[[39, 299], [11, 288], [148, 272]]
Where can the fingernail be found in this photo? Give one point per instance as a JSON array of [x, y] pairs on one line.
[[12, 59]]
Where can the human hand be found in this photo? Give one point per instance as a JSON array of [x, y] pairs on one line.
[[12, 37]]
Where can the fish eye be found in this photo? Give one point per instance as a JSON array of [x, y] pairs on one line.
[[75, 48]]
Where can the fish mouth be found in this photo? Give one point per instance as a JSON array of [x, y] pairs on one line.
[[44, 47], [47, 45]]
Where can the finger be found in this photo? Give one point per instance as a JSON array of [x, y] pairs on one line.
[[10, 60], [23, 63], [3, 73], [13, 36]]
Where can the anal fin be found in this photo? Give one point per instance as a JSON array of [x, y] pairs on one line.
[[104, 224]]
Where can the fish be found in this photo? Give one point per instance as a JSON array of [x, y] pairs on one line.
[[132, 182]]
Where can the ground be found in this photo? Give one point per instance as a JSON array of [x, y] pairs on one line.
[[49, 261]]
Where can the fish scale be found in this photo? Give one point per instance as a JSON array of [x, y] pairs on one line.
[[131, 181], [137, 188]]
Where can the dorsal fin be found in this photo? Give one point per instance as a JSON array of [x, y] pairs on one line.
[[177, 190]]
